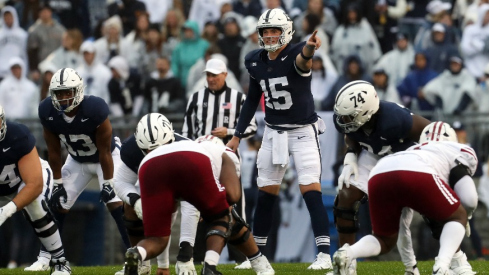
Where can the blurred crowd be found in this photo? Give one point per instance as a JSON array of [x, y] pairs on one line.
[[148, 55]]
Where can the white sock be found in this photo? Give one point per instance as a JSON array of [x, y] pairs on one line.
[[211, 257], [367, 246], [142, 252], [450, 239], [189, 222], [458, 254]]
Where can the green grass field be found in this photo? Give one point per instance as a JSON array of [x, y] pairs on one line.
[[367, 268]]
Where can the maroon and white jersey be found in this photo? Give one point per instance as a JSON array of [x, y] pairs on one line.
[[212, 151], [430, 157]]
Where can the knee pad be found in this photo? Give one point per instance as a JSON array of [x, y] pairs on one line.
[[134, 227], [435, 226], [238, 225], [224, 234], [41, 223], [350, 214]]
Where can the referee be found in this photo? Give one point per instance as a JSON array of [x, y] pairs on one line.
[[215, 110]]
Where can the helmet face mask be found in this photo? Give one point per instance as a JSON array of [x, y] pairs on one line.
[[3, 128], [438, 131], [66, 90], [153, 130], [355, 104], [274, 19]]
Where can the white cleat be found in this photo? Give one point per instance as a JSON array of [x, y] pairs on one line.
[[61, 266], [440, 269], [185, 268], [142, 270], [342, 261], [353, 267], [42, 264], [411, 270], [323, 261], [244, 265], [261, 266], [460, 266]]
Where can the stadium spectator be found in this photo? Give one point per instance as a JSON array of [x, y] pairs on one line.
[[413, 19], [135, 42], [111, 43], [18, 94], [158, 10], [196, 71], [397, 62], [227, 12], [248, 31], [95, 74], [128, 11], [68, 54], [13, 40], [409, 88], [72, 14], [310, 23], [126, 97], [385, 89], [211, 33], [352, 70], [187, 51], [171, 29], [327, 19], [439, 49], [44, 38], [322, 81], [203, 11], [355, 36], [474, 46], [153, 48], [47, 72], [483, 92], [164, 93], [231, 44], [454, 90], [248, 7]]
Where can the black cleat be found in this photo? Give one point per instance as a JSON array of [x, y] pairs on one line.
[[209, 270], [132, 261]]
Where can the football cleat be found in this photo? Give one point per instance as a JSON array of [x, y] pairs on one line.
[[261, 266], [209, 270], [131, 266], [143, 270], [42, 264], [459, 264], [61, 266], [439, 269], [244, 265], [323, 261], [353, 267], [411, 270], [342, 261], [185, 268]]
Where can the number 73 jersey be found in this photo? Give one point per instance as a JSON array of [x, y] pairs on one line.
[[287, 89], [78, 136]]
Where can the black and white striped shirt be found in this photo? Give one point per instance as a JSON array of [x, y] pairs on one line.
[[208, 109]]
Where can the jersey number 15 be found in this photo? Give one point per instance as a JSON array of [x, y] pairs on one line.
[[276, 99]]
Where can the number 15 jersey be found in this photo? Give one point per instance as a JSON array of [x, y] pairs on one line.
[[288, 99]]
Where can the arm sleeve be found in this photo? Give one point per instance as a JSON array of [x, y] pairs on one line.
[[251, 129], [249, 108], [124, 182]]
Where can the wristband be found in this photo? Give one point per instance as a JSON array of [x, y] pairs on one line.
[[57, 181], [306, 57]]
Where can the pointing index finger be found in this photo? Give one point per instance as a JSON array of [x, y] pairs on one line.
[[313, 34]]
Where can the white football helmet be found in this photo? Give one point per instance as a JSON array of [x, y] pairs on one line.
[[66, 79], [153, 130], [210, 138], [438, 131], [3, 127], [275, 18], [355, 104]]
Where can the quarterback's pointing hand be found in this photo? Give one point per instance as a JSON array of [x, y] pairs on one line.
[[314, 42]]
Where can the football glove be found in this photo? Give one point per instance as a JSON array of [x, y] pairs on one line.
[[7, 211], [58, 192], [107, 192], [350, 167], [138, 208]]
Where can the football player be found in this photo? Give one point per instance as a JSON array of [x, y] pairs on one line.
[[24, 185], [203, 175], [421, 178], [126, 186], [81, 123], [372, 129], [282, 73]]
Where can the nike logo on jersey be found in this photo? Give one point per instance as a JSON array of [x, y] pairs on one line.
[[283, 58], [6, 149], [83, 120], [301, 137]]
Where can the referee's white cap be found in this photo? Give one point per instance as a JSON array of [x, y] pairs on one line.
[[215, 66]]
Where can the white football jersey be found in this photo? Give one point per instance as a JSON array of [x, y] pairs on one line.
[[430, 157], [212, 151]]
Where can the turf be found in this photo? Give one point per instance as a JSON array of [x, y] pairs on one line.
[[367, 268]]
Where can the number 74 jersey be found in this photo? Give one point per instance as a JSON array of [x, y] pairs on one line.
[[78, 136], [287, 89]]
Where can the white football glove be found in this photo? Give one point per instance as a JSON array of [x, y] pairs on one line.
[[7, 211], [467, 229], [350, 167], [138, 208]]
